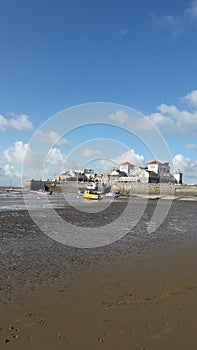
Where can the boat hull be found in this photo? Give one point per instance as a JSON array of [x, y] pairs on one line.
[[91, 196]]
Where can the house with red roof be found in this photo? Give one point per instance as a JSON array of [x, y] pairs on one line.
[[155, 172], [159, 168]]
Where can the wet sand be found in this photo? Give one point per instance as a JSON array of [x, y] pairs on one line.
[[137, 293]]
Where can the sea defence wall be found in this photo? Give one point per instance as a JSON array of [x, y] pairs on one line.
[[125, 189], [155, 189], [67, 186], [186, 190], [34, 185]]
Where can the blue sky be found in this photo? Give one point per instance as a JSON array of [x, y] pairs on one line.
[[59, 54]]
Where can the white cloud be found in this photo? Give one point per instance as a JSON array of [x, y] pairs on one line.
[[173, 120], [89, 153], [3, 123], [19, 159], [168, 118], [7, 170], [119, 116], [55, 157], [9, 176], [19, 122], [131, 157], [52, 137], [191, 146], [106, 165], [13, 158], [163, 122], [12, 161], [187, 167], [192, 9], [56, 160], [15, 153], [180, 21], [191, 97]]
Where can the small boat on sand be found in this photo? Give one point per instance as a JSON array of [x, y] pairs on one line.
[[113, 194], [91, 194]]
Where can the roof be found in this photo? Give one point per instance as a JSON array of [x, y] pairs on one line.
[[126, 163], [155, 162]]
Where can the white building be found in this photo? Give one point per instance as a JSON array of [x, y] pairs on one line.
[[143, 175], [156, 172], [67, 175], [159, 168], [163, 171], [126, 167], [178, 177]]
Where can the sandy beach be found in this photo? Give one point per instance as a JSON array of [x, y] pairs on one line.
[[138, 293]]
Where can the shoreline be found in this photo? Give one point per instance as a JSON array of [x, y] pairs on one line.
[[165, 197]]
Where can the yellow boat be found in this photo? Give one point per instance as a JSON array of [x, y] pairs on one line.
[[92, 195]]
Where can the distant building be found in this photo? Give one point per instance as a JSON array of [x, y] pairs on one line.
[[159, 168], [89, 173], [35, 185], [162, 169], [126, 167], [116, 174], [86, 175], [156, 172], [178, 177], [67, 175], [142, 175]]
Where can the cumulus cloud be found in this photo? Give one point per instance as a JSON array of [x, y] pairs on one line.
[[191, 146], [174, 121], [9, 175], [12, 160], [52, 137], [157, 119], [19, 160], [191, 98], [56, 159], [15, 153], [107, 164], [169, 119], [131, 157], [16, 156], [90, 153], [186, 166], [7, 170], [119, 116], [19, 122], [3, 123]]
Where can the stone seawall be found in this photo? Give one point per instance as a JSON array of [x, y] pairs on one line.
[[155, 189], [67, 186], [129, 189]]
